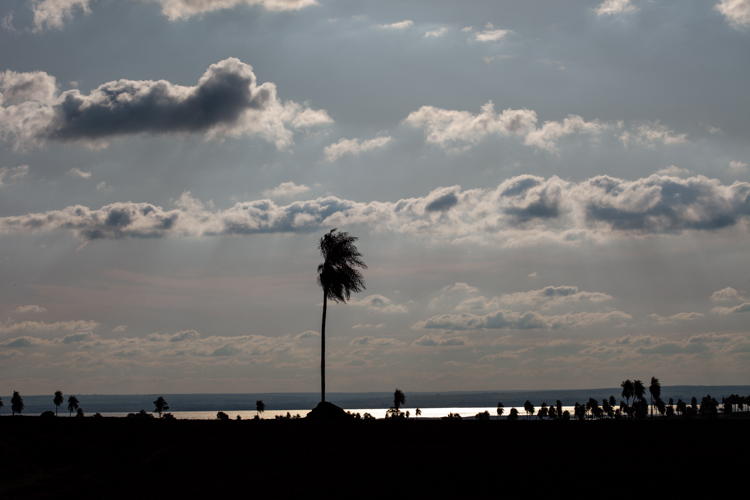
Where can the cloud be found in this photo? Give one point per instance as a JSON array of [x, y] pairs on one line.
[[529, 320], [727, 293], [78, 337], [184, 335], [436, 33], [14, 174], [649, 134], [521, 210], [226, 350], [21, 342], [742, 308], [490, 34], [227, 101], [52, 13], [689, 316], [76, 172], [40, 326], [737, 166], [460, 130], [308, 335], [120, 328], [547, 297], [286, 189], [736, 12], [434, 341], [672, 170], [368, 325], [369, 340], [353, 147], [30, 309], [398, 26], [49, 14], [612, 7], [379, 303]]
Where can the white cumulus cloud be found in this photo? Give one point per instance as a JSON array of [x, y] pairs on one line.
[[736, 12], [353, 147]]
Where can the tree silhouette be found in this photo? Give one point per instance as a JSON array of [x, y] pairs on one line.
[[529, 408], [418, 413], [338, 278], [559, 408], [655, 390], [160, 405], [1, 402], [260, 407], [500, 410], [513, 415], [627, 390], [79, 413], [58, 400], [398, 399], [72, 404], [16, 403]]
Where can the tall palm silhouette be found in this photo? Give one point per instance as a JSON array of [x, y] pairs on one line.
[[338, 277], [398, 399], [16, 403], [72, 404], [655, 390], [500, 410], [58, 400]]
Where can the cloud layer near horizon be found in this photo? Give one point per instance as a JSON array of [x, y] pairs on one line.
[[522, 209]]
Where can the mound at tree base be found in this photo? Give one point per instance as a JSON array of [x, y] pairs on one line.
[[328, 412]]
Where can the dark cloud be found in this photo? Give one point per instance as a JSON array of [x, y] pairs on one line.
[[442, 203]]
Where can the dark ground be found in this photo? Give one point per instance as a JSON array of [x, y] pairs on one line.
[[121, 458]]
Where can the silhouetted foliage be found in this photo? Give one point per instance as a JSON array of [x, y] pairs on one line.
[[513, 415], [566, 415], [417, 413], [655, 390], [579, 411], [543, 411], [160, 405], [260, 407], [484, 415], [452, 416], [398, 399], [222, 416], [367, 416], [72, 404], [99, 415], [709, 407], [143, 414], [58, 400], [552, 412], [500, 410], [47, 414], [627, 391], [16, 403], [529, 408], [338, 277], [79, 413]]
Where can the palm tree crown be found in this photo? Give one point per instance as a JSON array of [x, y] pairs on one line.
[[72, 404], [398, 399], [338, 277], [58, 400]]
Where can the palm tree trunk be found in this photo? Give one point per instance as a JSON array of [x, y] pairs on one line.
[[323, 350]]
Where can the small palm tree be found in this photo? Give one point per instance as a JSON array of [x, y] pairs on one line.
[[338, 277], [16, 403], [58, 400], [72, 404], [160, 405], [398, 399], [500, 410], [418, 413], [655, 390], [260, 407]]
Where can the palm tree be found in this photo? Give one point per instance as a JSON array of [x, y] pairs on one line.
[[418, 412], [58, 400], [655, 390], [338, 278], [260, 407], [529, 408], [160, 405], [639, 390], [72, 404], [500, 410], [398, 399], [16, 403]]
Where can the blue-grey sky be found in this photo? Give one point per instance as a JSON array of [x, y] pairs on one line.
[[547, 194]]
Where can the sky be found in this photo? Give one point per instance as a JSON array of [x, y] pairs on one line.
[[548, 195]]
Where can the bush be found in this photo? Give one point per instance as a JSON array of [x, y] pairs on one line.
[[47, 414], [222, 416]]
